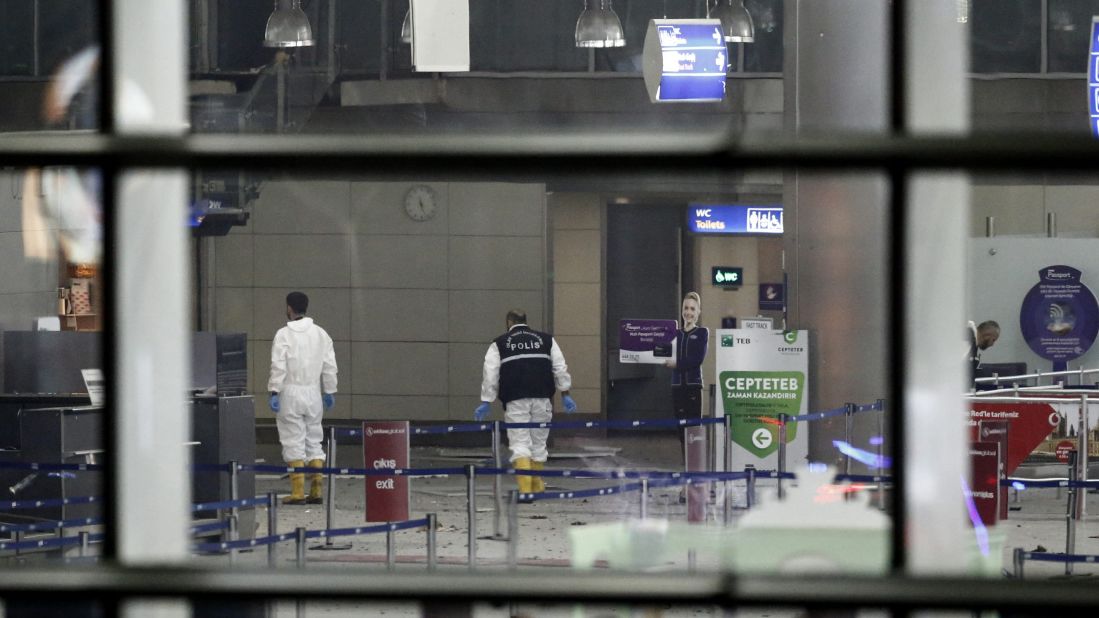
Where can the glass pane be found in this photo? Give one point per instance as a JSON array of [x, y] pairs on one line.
[[1006, 36], [765, 54], [417, 280], [52, 415], [1069, 27]]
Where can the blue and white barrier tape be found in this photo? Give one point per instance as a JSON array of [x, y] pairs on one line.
[[356, 471], [1059, 483], [816, 416], [64, 541], [216, 526], [52, 525], [863, 478], [229, 504], [309, 534], [49, 467], [41, 504], [1047, 557]]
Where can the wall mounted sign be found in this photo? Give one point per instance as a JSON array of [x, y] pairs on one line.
[[739, 219], [685, 60], [1059, 317], [727, 276], [772, 296], [1093, 77]]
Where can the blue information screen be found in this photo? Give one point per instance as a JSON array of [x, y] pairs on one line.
[[1093, 78], [694, 61], [741, 219]]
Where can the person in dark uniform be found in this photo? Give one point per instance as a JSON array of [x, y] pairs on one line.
[[691, 344], [524, 367], [981, 337]]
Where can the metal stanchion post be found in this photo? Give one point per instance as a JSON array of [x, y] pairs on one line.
[[330, 501], [272, 527], [1082, 457], [750, 486], [781, 453], [390, 547], [471, 512], [513, 529], [728, 446], [1070, 514], [432, 552], [234, 511], [881, 453], [692, 561], [497, 481], [300, 550], [644, 499], [83, 544], [848, 419], [1017, 560]]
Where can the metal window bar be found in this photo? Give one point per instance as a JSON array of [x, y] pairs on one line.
[[897, 155]]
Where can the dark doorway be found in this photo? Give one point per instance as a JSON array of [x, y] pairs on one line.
[[644, 269]]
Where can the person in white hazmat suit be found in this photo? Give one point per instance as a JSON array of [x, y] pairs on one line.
[[524, 367], [303, 362]]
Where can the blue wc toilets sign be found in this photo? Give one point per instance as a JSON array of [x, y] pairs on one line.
[[1059, 316]]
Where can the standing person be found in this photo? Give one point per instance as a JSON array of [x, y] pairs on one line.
[[302, 362], [524, 367], [691, 344]]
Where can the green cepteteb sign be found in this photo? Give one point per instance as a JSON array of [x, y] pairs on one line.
[[754, 400]]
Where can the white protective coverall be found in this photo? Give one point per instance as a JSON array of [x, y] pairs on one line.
[[301, 357], [529, 443]]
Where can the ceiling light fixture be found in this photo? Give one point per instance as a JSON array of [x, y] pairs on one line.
[[736, 21], [288, 26], [599, 27]]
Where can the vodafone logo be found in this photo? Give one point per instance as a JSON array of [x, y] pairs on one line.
[[1054, 419]]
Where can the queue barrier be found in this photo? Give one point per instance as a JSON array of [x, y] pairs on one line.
[[54, 543], [35, 504], [1019, 483], [52, 525], [1020, 557]]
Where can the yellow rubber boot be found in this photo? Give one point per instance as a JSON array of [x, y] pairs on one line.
[[315, 483], [297, 484], [537, 483], [524, 481]]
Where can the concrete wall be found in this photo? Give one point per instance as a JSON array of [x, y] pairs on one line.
[[28, 288], [576, 239], [410, 305]]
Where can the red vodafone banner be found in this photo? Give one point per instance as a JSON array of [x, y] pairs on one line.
[[385, 447], [984, 486], [1029, 424]]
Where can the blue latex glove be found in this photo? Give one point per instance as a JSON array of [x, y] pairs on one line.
[[567, 401], [329, 400], [274, 402], [482, 411]]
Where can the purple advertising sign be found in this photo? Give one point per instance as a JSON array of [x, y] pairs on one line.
[[1059, 317], [646, 341]]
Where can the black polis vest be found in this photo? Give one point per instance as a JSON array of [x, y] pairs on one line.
[[526, 370]]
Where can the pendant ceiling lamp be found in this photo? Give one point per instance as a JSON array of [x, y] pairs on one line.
[[736, 22], [288, 26], [406, 27], [599, 27]]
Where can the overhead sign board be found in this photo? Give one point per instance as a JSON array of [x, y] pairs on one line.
[[1093, 77], [685, 60], [738, 219]]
